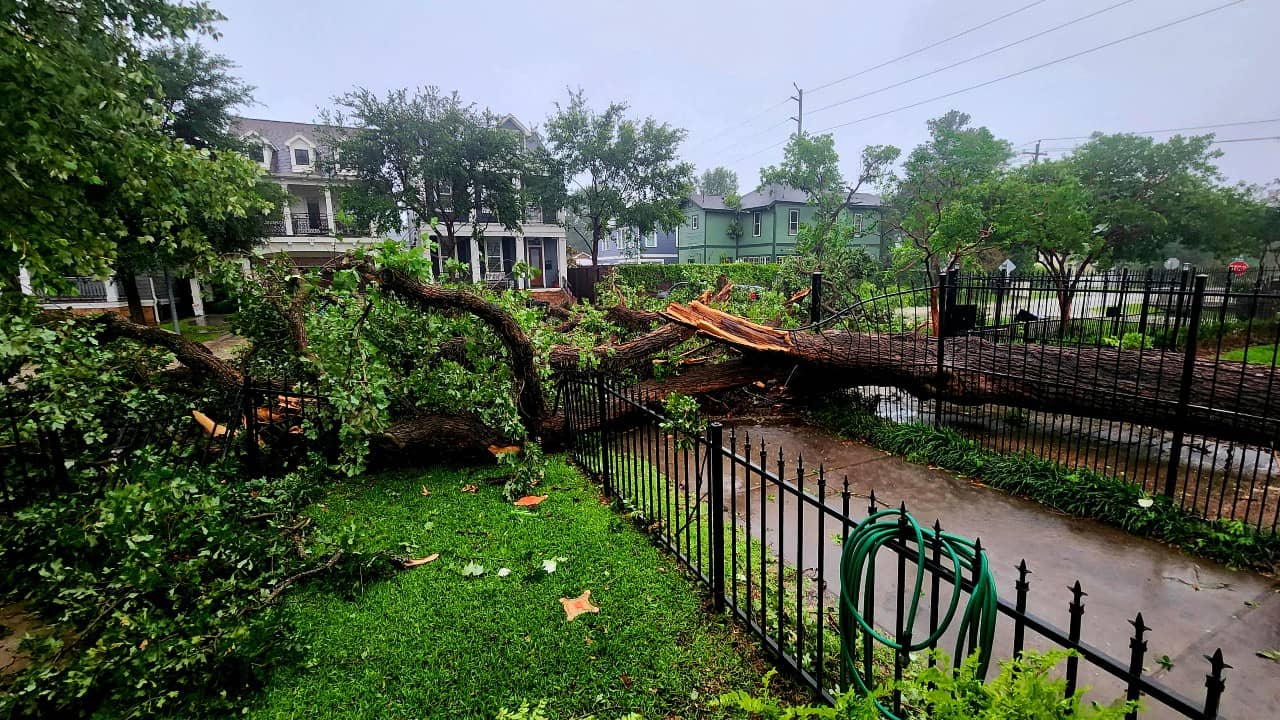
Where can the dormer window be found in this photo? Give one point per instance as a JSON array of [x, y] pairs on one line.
[[303, 153]]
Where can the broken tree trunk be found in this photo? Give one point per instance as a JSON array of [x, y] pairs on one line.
[[1228, 400]]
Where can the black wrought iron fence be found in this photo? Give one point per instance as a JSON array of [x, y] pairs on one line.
[[753, 528], [1163, 379]]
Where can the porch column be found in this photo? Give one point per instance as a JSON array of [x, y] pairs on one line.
[[24, 281], [562, 260], [521, 256], [477, 259], [288, 220], [328, 208], [112, 289], [197, 300]]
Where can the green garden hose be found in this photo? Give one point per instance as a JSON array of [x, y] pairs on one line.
[[857, 582]]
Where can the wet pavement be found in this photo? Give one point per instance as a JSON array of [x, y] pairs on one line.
[[1192, 606]]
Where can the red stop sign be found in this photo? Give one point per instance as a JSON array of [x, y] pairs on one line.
[[1239, 267]]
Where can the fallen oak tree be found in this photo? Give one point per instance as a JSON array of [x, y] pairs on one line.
[[1227, 400]]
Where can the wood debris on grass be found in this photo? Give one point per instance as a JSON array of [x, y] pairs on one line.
[[573, 607]]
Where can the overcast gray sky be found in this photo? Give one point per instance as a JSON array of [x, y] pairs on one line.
[[711, 66]]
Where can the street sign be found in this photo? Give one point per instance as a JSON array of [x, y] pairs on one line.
[[1172, 263], [1238, 267], [1008, 267]]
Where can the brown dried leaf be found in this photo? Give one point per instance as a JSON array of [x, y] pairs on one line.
[[469, 488], [425, 492]]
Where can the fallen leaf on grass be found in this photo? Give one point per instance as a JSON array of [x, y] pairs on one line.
[[425, 491], [530, 500], [551, 564], [626, 680], [573, 607], [470, 488], [472, 569], [420, 561], [503, 572]]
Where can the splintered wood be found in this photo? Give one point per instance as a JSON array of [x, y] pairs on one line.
[[731, 329]]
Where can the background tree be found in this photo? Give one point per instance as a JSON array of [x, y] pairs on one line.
[[718, 181], [810, 163], [935, 204], [199, 93], [1042, 211], [1143, 195], [625, 171], [89, 168], [431, 159]]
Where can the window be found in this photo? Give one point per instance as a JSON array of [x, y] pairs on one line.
[[651, 240], [264, 155], [301, 157], [755, 224], [493, 255], [694, 219], [793, 222], [858, 223]]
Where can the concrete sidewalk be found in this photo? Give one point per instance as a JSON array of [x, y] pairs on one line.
[[1193, 606]]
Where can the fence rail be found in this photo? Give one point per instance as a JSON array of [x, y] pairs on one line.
[[1212, 453], [744, 521]]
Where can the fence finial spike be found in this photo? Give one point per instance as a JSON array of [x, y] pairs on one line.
[[1022, 567], [1217, 661]]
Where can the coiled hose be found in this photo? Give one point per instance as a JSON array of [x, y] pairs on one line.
[[857, 583]]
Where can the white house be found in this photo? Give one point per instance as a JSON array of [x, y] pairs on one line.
[[308, 231]]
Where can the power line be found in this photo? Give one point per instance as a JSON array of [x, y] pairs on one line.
[[979, 56], [960, 34], [1041, 66], [1165, 130], [1011, 75], [743, 123]]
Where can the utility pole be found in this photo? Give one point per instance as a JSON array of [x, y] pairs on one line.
[[799, 116], [1035, 156]]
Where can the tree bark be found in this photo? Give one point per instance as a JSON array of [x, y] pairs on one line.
[[194, 355], [1228, 400], [133, 298]]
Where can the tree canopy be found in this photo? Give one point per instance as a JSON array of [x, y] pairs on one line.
[[625, 172], [432, 160], [718, 181], [937, 203], [91, 174]]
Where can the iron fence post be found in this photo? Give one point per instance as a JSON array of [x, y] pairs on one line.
[[815, 298], [1184, 389], [250, 425], [715, 459], [1138, 651], [944, 280], [602, 410], [1215, 684], [1146, 302]]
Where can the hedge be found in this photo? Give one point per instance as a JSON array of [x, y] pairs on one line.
[[651, 277]]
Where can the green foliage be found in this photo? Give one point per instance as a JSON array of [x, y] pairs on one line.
[[937, 204], [91, 173], [1130, 341], [1079, 492], [440, 160], [199, 92], [634, 176], [154, 582], [682, 418], [649, 276], [527, 468], [718, 181], [1026, 687]]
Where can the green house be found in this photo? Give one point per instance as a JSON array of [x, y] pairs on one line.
[[768, 222]]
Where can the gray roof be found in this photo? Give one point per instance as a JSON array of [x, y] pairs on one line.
[[278, 133], [770, 194]]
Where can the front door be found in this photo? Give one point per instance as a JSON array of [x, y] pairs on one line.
[[535, 260], [315, 221]]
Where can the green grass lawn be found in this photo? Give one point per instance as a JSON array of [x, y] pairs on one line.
[[1260, 354], [191, 330], [431, 642]]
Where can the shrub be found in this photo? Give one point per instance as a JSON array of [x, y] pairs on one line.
[[649, 276]]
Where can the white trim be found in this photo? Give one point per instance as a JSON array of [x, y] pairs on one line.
[[757, 218], [694, 220], [653, 236], [293, 144], [264, 162], [793, 221]]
